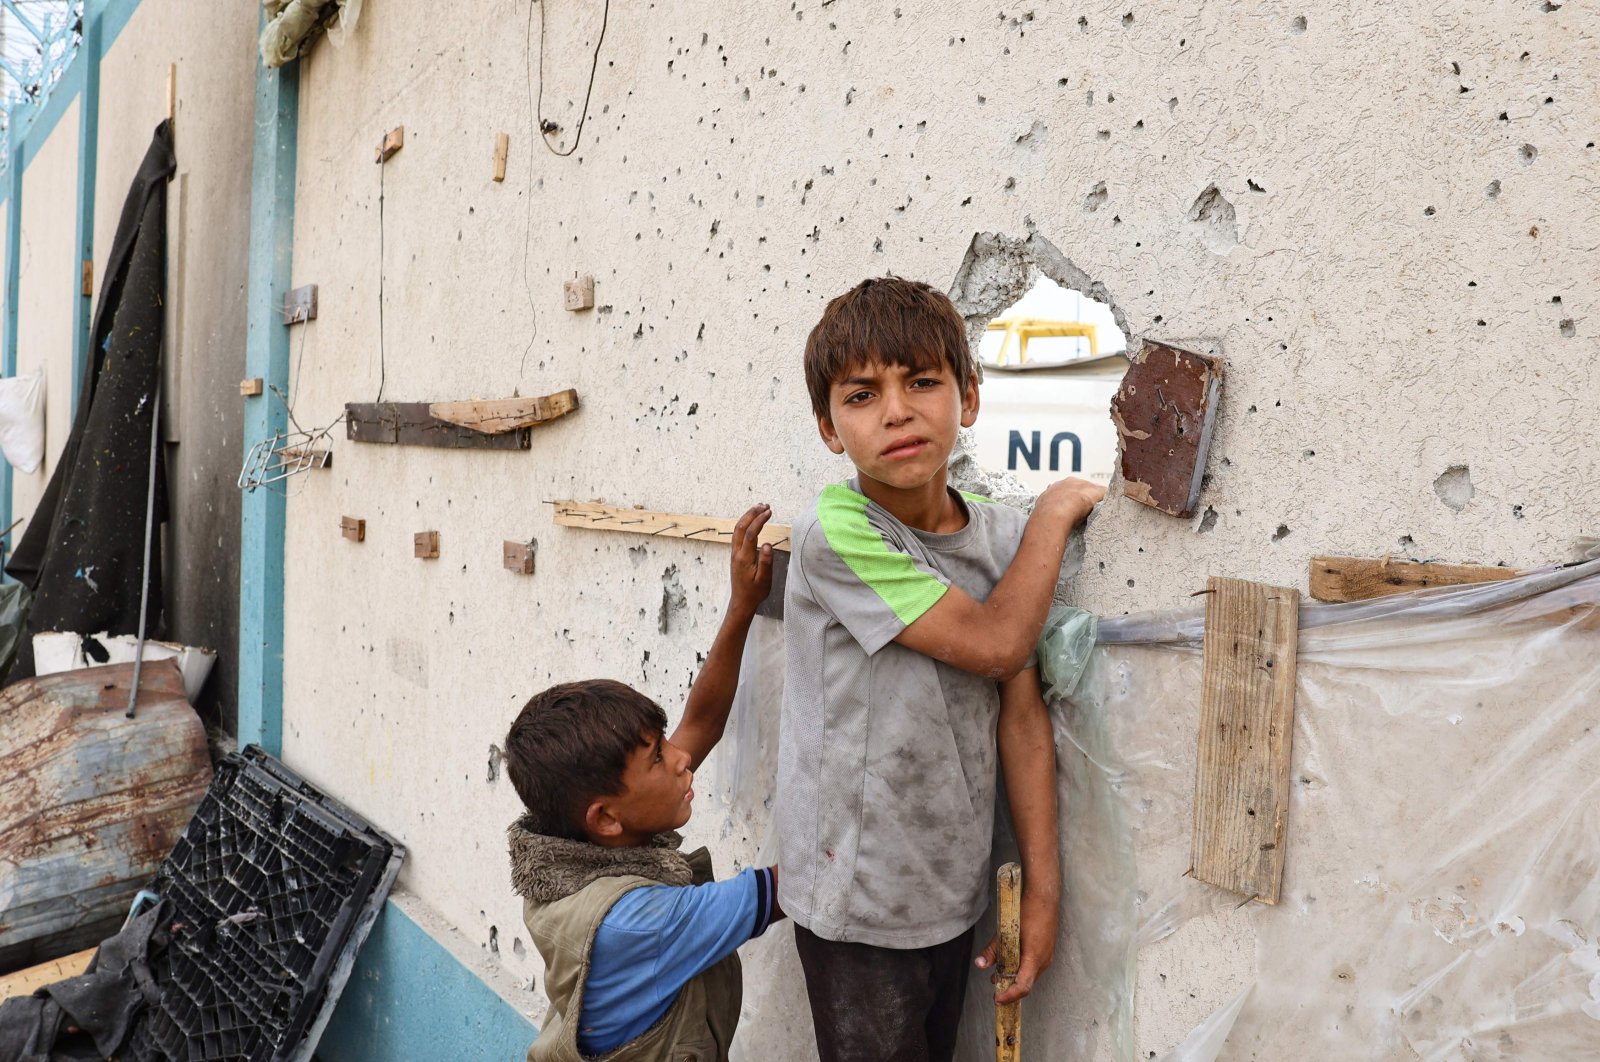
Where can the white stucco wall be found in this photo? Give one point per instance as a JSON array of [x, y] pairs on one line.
[[741, 165], [46, 297]]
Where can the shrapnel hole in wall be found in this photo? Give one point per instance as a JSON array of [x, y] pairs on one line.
[[1051, 362], [1003, 277]]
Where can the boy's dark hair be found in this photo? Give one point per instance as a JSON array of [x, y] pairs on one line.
[[889, 320], [570, 744]]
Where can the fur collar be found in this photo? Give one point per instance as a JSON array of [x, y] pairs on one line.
[[546, 869]]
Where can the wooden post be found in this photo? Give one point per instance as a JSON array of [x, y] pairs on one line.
[[1008, 1016]]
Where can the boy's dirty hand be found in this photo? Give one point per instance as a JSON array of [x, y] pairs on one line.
[[1039, 924], [1069, 500], [751, 567]]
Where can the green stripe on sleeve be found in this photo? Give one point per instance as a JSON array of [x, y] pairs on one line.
[[892, 575], [967, 494]]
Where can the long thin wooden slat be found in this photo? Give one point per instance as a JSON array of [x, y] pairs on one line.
[[410, 424], [1241, 788], [493, 416], [23, 982], [1008, 1016], [1360, 578], [602, 517]]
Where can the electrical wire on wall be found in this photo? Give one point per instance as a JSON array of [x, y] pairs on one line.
[[382, 366], [545, 128]]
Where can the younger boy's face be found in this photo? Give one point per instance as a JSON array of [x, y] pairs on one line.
[[657, 795], [898, 425]]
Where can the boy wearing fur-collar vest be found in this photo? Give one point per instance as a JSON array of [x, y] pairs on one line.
[[638, 941]]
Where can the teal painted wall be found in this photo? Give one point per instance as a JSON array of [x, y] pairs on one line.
[[410, 1000], [261, 515]]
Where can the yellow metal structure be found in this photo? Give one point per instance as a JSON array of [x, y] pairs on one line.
[[1026, 328]]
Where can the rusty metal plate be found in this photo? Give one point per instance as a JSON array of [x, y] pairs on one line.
[[1164, 412], [91, 801]]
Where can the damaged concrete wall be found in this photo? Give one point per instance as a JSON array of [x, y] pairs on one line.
[[1379, 219], [46, 299], [208, 223]]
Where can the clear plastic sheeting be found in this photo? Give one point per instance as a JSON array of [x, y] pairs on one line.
[[1441, 898], [1064, 650], [1441, 895]]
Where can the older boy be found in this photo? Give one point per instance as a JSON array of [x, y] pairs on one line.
[[638, 942], [910, 619]]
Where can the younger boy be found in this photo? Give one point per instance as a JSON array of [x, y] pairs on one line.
[[638, 942], [910, 619]]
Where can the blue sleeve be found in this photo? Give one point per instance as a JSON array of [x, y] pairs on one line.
[[655, 940]]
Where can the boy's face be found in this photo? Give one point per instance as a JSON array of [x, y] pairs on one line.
[[657, 795], [898, 425]]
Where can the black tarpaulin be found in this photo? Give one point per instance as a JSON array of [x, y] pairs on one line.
[[83, 552]]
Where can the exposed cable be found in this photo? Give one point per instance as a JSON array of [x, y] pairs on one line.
[[594, 65], [382, 368], [299, 360]]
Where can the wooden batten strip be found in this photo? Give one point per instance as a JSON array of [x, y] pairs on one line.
[[602, 517], [496, 416], [411, 424], [1338, 579]]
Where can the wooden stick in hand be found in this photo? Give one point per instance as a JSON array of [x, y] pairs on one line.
[[1008, 1016]]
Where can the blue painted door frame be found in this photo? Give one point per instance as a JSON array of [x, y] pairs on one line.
[[261, 518]]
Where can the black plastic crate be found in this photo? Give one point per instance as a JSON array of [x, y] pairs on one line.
[[273, 888]]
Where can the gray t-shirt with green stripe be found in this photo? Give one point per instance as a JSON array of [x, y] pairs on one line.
[[887, 758]]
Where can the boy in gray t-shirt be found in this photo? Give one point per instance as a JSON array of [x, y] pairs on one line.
[[910, 620]]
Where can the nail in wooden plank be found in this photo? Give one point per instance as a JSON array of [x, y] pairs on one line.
[[502, 148], [496, 415], [602, 517], [354, 528], [410, 424], [518, 556], [1164, 412], [1241, 787], [579, 293], [392, 141], [1360, 578]]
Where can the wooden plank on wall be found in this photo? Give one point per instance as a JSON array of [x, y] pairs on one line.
[[1241, 788], [410, 424], [497, 415], [1360, 578], [602, 517]]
